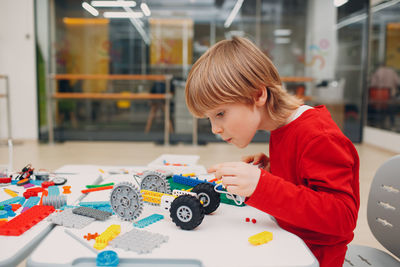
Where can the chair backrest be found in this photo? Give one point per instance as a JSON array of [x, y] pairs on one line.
[[383, 211]]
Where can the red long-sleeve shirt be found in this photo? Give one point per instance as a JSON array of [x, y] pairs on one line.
[[312, 188]]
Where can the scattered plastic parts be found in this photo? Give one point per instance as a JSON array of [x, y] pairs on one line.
[[30, 203], [10, 192], [247, 219], [96, 189], [3, 221], [13, 200], [8, 209], [92, 213], [68, 219], [155, 181], [107, 258], [126, 201], [28, 185], [109, 234], [55, 201], [32, 192], [90, 236], [152, 197], [5, 180], [260, 238], [3, 214], [99, 185], [53, 190], [23, 181], [140, 241], [25, 221], [47, 184], [253, 220], [59, 180], [14, 207], [42, 175], [80, 241], [148, 220], [67, 189]]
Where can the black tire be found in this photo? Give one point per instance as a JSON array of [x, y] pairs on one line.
[[206, 194], [186, 212]]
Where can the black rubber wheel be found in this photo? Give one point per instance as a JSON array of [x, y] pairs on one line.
[[208, 196], [186, 212]]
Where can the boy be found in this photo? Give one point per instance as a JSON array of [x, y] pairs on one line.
[[310, 181]]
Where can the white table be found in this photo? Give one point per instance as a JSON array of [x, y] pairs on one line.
[[221, 240], [15, 248]]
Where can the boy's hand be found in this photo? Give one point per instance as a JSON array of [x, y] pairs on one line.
[[261, 160], [237, 177]]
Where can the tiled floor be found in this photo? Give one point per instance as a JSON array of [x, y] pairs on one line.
[[128, 153]]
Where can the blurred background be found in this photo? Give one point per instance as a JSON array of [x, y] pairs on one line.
[[116, 70]]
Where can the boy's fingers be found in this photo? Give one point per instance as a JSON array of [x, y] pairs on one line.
[[247, 159]]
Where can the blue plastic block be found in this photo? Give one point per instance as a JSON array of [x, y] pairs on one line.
[[14, 181], [107, 258], [3, 214], [13, 200], [187, 180], [32, 201], [148, 220], [53, 190], [8, 209], [36, 182]]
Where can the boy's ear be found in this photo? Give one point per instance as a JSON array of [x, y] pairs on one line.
[[261, 97]]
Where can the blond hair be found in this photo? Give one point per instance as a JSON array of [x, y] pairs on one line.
[[234, 71]]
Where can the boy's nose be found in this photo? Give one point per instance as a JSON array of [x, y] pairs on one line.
[[216, 129]]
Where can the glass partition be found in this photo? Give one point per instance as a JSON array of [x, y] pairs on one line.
[[121, 46], [383, 104]]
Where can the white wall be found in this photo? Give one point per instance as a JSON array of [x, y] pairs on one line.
[[18, 61]]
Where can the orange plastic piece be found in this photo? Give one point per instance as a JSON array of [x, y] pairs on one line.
[[67, 189], [14, 207], [90, 236], [97, 189], [213, 180], [44, 193], [23, 181]]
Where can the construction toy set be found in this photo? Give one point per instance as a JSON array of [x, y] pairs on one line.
[[42, 195]]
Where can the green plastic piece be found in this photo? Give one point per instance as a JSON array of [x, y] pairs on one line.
[[224, 199], [98, 185]]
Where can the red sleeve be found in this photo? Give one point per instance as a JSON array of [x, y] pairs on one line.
[[327, 201]]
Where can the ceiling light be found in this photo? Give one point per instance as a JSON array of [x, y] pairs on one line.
[[123, 15], [282, 40], [282, 32], [339, 3], [145, 8], [90, 9], [113, 3], [233, 13]]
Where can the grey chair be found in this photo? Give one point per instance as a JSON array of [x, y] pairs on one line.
[[383, 215]]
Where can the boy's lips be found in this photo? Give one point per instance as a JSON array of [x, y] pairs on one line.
[[228, 140]]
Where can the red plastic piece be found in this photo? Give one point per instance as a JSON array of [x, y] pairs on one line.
[[5, 180], [90, 236], [247, 219], [26, 220], [14, 207], [47, 184], [32, 192], [253, 220]]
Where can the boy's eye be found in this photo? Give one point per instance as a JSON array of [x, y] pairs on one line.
[[220, 114]]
